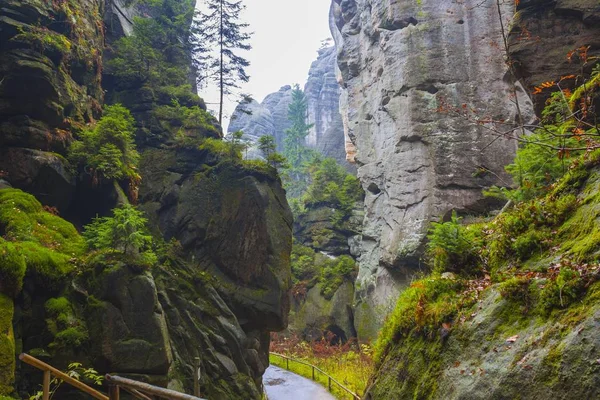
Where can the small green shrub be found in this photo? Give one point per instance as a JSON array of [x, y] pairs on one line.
[[108, 149], [561, 291], [454, 247], [222, 149], [334, 273], [126, 232]]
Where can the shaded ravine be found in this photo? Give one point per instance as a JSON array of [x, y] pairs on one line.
[[284, 385]]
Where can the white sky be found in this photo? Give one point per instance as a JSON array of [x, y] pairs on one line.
[[287, 35]]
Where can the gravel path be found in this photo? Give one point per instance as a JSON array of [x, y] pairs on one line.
[[284, 385]]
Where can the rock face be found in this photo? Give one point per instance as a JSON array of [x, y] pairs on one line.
[[315, 229], [545, 32], [322, 94], [50, 84], [323, 97], [266, 118], [313, 315], [397, 60]]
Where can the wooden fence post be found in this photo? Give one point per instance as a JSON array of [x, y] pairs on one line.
[[287, 363], [113, 392], [46, 385], [313, 371], [330, 384]]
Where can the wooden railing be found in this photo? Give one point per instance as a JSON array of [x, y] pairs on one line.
[[331, 380], [139, 390]]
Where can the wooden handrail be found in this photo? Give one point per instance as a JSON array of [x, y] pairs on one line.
[[34, 362], [331, 378], [130, 384]]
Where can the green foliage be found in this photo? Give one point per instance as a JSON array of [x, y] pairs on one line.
[[420, 311], [546, 155], [125, 231], [76, 371], [156, 53], [189, 125], [222, 149], [303, 263], [294, 149], [335, 272], [312, 268], [453, 246], [219, 28], [108, 149], [267, 146], [44, 39]]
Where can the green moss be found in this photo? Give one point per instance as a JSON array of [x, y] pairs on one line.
[[45, 243], [7, 346], [551, 364], [22, 218], [412, 370], [421, 309], [69, 331], [12, 268]]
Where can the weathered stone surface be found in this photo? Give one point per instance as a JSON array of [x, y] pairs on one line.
[[235, 226], [323, 97], [315, 229], [542, 35], [497, 356], [50, 65], [397, 60], [128, 322], [40, 173], [313, 316]]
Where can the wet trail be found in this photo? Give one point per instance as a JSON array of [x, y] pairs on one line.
[[284, 385]]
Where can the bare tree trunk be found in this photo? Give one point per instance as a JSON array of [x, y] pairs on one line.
[[221, 78]]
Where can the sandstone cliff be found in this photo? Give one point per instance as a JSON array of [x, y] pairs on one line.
[[396, 61], [322, 94], [216, 295]]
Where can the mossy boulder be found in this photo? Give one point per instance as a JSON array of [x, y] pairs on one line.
[[233, 222]]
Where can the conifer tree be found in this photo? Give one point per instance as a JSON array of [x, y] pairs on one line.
[[294, 144], [219, 28]]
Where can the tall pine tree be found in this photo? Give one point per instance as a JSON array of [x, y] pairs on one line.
[[294, 144], [219, 28]]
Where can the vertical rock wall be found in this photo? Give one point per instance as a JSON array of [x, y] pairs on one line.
[[397, 59], [323, 96]]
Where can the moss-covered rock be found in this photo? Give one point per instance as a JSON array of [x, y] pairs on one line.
[[47, 243], [530, 334], [7, 346]]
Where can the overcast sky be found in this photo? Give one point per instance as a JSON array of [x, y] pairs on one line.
[[287, 35]]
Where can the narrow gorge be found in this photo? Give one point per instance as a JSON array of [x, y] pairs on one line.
[[416, 214]]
